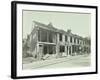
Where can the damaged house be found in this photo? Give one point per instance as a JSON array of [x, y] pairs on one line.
[[46, 39]]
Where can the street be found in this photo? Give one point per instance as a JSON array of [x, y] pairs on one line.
[[70, 61]]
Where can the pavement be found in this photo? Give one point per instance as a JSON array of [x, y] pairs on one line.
[[69, 61]]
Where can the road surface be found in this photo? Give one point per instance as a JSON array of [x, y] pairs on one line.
[[71, 61]]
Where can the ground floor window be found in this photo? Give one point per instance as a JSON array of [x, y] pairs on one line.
[[62, 48], [49, 49]]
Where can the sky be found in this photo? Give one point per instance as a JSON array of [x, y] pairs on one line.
[[79, 23]]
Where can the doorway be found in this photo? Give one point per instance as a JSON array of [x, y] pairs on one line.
[[49, 49]]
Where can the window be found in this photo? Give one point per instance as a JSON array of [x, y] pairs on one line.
[[43, 36], [66, 38], [78, 41], [60, 37], [50, 36], [62, 48], [39, 35], [74, 40], [71, 39]]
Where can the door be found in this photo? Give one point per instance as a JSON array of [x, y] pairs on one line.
[[69, 50], [40, 54], [45, 49]]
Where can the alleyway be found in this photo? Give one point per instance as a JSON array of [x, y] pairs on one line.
[[71, 61]]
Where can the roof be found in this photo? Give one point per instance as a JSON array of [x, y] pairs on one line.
[[52, 28], [48, 27]]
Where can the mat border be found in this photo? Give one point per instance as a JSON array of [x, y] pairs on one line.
[[14, 38]]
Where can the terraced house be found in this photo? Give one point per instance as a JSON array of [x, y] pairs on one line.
[[46, 39]]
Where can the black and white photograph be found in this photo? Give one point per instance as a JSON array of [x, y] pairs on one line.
[[62, 42], [54, 39]]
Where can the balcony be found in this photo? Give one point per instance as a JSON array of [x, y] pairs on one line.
[[46, 36]]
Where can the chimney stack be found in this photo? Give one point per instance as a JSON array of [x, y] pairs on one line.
[[69, 30]]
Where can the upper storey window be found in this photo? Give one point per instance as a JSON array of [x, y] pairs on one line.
[[60, 37], [74, 40], [71, 39], [66, 38]]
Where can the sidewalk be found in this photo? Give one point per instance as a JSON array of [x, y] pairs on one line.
[[43, 63]]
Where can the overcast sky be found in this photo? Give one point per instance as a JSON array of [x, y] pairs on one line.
[[79, 23]]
